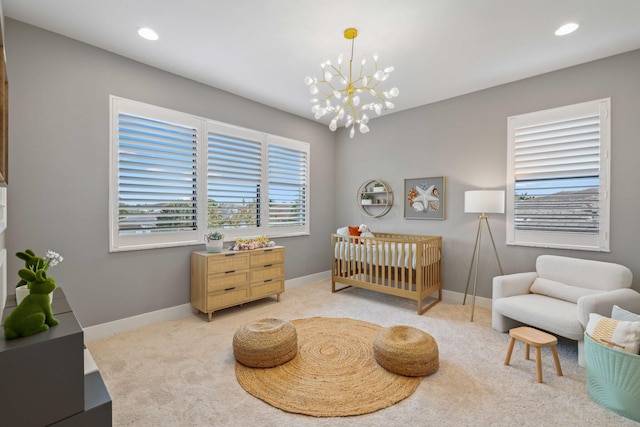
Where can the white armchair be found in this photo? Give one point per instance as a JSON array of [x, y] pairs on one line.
[[560, 294]]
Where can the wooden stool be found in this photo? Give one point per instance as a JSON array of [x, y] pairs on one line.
[[538, 339]]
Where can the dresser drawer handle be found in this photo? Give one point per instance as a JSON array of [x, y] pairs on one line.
[[230, 289], [269, 265], [229, 254], [230, 271], [268, 280], [268, 250]]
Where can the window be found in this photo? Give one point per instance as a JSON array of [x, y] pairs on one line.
[[173, 176], [558, 169], [287, 181]]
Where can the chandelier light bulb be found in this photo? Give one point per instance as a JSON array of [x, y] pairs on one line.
[[341, 101]]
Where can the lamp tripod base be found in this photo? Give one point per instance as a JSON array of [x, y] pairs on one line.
[[475, 261]]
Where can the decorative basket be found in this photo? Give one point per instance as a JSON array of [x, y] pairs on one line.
[[612, 378]]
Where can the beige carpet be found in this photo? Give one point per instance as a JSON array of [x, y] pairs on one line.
[[182, 373], [334, 372]]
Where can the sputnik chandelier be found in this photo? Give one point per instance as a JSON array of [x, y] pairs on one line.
[[339, 95]]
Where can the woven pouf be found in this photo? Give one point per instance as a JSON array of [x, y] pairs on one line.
[[405, 350], [265, 343]]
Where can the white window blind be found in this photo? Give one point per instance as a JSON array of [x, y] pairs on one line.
[[156, 176], [173, 176], [153, 190], [558, 163], [234, 178], [287, 181]]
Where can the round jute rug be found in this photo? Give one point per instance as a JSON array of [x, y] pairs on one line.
[[334, 373]]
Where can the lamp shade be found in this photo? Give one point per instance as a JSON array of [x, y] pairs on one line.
[[482, 201]]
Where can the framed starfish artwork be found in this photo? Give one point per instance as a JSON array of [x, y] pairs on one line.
[[424, 198]]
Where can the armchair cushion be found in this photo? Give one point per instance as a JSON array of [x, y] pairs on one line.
[[559, 290], [549, 314]]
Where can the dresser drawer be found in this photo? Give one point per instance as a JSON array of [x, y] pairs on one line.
[[227, 298], [267, 256], [266, 273], [222, 281], [227, 263], [267, 288]]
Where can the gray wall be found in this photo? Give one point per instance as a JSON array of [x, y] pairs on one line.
[[465, 139], [58, 190], [58, 151]]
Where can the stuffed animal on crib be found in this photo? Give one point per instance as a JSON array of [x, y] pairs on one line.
[[364, 231], [34, 314]]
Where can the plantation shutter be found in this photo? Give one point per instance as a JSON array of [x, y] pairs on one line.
[[559, 166], [174, 176], [557, 172], [234, 178], [287, 181], [157, 170], [565, 149]]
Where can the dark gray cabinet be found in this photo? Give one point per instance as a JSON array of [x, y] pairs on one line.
[[42, 377]]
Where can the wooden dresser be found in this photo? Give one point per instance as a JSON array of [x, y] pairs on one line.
[[220, 280]]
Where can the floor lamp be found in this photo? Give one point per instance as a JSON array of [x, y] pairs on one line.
[[481, 202]]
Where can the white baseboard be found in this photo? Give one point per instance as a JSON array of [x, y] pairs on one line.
[[300, 281], [179, 311], [457, 298], [172, 313], [121, 325]]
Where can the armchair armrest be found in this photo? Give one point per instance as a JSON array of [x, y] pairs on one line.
[[603, 303], [512, 284]]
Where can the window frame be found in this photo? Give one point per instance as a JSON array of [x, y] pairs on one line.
[[599, 242], [118, 242]]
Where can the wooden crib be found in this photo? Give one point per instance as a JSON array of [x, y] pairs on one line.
[[405, 265]]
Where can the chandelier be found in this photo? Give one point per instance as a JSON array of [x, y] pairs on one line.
[[338, 94]]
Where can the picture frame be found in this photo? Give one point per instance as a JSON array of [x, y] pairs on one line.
[[424, 198]]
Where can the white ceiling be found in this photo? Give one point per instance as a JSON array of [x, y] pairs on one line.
[[263, 49]]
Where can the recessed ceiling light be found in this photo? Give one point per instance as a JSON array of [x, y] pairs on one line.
[[147, 33], [567, 29]]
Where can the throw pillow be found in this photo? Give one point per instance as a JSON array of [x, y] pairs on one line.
[[619, 334], [559, 290], [622, 314]]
